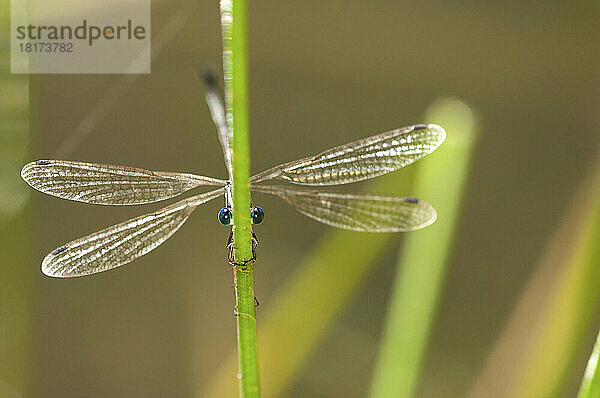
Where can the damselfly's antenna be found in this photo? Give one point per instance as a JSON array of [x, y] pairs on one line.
[[217, 110]]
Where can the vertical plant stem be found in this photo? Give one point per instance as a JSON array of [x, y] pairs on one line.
[[235, 67]]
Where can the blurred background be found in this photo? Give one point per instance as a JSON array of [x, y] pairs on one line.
[[515, 305]]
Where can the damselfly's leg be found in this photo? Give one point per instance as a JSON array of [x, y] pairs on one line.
[[231, 255], [254, 246], [232, 261]]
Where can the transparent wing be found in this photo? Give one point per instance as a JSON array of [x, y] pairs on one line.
[[107, 184], [217, 111], [362, 159], [363, 212], [121, 243]]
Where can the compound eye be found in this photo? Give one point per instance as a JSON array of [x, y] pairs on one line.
[[225, 216], [257, 214]]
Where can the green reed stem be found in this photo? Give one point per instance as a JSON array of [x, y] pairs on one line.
[[235, 67]]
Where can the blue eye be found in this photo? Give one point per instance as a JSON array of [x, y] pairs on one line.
[[257, 214], [225, 215]]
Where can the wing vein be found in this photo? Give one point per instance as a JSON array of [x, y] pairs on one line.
[[360, 160], [363, 212], [109, 184], [121, 243]]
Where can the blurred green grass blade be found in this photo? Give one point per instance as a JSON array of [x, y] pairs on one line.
[[571, 310], [18, 269], [296, 319], [440, 181], [590, 386], [235, 67], [511, 353]]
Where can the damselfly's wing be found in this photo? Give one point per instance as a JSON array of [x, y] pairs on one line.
[[217, 111], [107, 184], [121, 243], [363, 212], [362, 159]]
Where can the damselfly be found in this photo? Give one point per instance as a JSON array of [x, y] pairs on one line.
[[120, 244]]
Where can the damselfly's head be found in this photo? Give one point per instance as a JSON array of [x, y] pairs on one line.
[[225, 215]]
